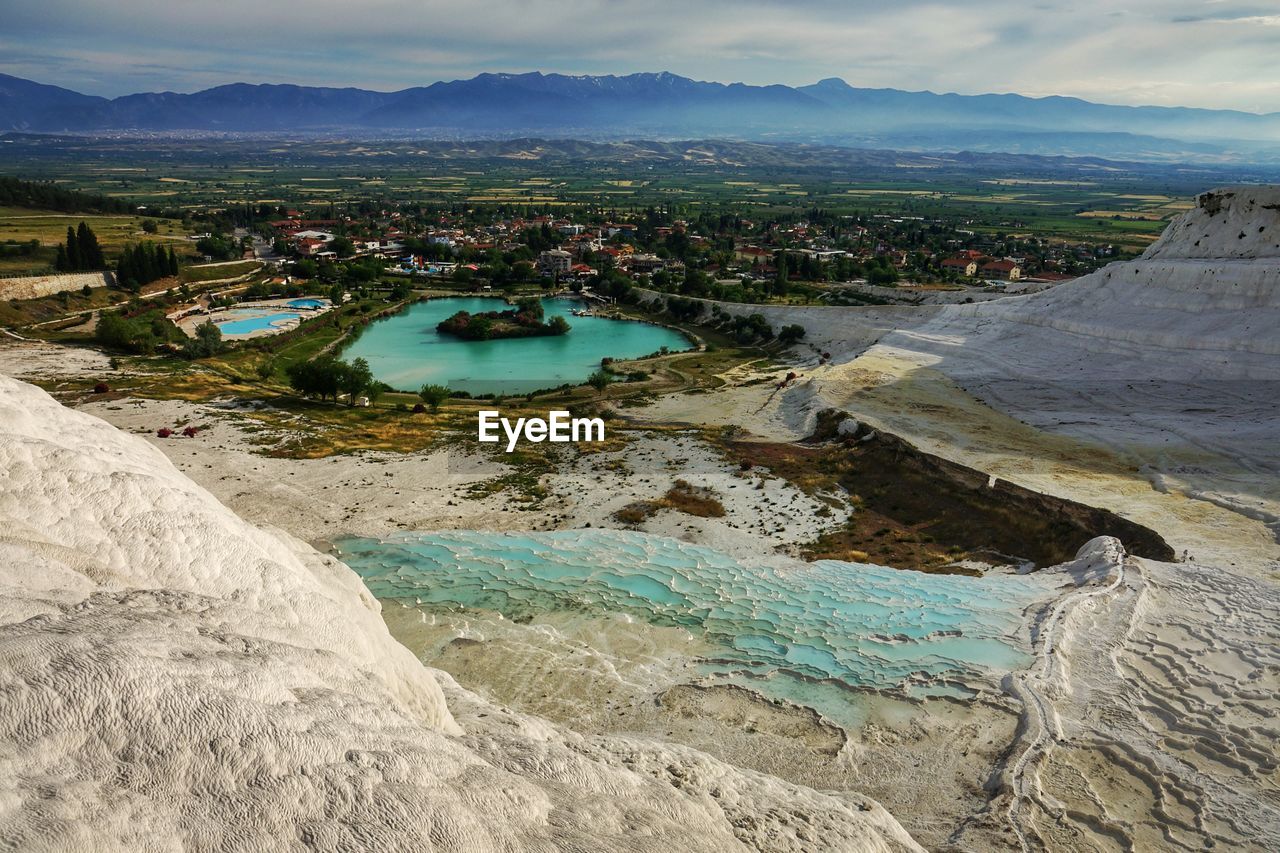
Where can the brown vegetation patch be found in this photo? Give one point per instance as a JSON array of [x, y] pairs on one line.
[[682, 497]]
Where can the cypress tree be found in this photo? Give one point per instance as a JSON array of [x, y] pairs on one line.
[[173, 262], [90, 252], [60, 262], [73, 250], [125, 267]]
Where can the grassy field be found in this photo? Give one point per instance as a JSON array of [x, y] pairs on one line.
[[114, 232], [214, 272]]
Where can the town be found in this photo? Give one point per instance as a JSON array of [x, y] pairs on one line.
[[803, 257]]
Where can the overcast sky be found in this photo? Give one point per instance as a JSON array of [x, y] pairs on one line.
[[1212, 53]]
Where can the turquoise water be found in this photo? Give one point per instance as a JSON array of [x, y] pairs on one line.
[[798, 626], [255, 323], [406, 352], [306, 303]]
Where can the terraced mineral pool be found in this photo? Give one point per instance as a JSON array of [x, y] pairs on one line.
[[407, 352], [306, 303], [799, 631], [256, 322]]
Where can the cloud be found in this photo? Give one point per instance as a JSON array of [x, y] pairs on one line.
[[1148, 51]]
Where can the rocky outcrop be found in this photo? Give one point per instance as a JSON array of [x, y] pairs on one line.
[[172, 677]]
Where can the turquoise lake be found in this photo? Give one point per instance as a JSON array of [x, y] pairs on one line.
[[789, 628], [406, 351]]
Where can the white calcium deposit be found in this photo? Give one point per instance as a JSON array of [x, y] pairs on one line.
[[173, 678]]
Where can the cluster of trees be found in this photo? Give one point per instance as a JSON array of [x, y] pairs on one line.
[[745, 330], [45, 196], [880, 271], [753, 328], [219, 247], [265, 289], [685, 310], [20, 249], [140, 334], [789, 335], [80, 252], [207, 342], [144, 263], [524, 321], [328, 377]]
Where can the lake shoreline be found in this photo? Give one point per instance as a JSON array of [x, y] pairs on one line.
[[410, 351]]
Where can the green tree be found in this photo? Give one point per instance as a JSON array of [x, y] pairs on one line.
[[790, 334], [354, 379], [433, 395], [320, 377], [73, 251], [91, 257], [207, 341], [375, 391], [599, 380]]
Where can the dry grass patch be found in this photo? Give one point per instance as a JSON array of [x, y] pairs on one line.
[[682, 497]]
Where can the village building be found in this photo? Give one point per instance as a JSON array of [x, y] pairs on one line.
[[555, 262]]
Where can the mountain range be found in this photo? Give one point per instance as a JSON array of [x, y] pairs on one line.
[[665, 105]]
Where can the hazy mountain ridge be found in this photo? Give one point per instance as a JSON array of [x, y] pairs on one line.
[[661, 105], [737, 156]]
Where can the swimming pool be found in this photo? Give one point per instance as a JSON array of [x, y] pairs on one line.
[[307, 303], [249, 325]]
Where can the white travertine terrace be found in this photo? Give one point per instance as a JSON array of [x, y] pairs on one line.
[[173, 677]]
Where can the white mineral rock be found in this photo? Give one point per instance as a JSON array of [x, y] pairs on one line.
[[173, 678]]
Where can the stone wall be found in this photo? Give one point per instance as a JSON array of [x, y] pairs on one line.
[[35, 286]]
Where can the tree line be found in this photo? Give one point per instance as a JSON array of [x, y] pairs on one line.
[[46, 196], [327, 377], [143, 263], [80, 252]]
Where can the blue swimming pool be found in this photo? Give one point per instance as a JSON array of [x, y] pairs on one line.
[[306, 303], [256, 324]]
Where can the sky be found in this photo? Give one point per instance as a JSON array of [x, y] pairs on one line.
[[1206, 53]]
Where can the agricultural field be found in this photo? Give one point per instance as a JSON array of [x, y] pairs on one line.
[[1068, 200], [114, 232]]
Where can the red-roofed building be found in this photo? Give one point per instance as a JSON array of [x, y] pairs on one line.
[[963, 266], [1005, 269]]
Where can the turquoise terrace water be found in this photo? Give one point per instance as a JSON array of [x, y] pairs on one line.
[[406, 351], [791, 629]]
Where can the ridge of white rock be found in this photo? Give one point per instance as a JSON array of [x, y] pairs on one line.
[[1202, 303], [172, 677]]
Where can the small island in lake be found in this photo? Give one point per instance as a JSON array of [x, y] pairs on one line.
[[523, 321]]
